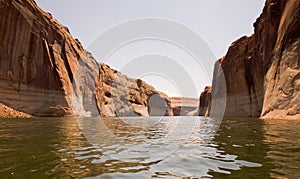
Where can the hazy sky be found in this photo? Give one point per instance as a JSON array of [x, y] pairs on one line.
[[217, 22]]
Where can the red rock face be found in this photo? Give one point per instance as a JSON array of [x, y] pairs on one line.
[[243, 78], [282, 82], [118, 95], [34, 71], [45, 72], [262, 71]]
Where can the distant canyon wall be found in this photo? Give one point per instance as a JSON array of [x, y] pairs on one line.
[[44, 71], [262, 72], [184, 106]]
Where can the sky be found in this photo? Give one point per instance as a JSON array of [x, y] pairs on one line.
[[171, 44]]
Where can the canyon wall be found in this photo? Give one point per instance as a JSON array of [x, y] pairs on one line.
[[118, 95], [205, 102], [182, 106], [44, 71], [262, 72]]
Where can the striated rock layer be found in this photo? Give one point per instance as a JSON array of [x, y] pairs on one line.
[[40, 62], [118, 95], [262, 72], [184, 106], [45, 72]]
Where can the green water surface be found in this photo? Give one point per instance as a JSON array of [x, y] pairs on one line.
[[160, 147]]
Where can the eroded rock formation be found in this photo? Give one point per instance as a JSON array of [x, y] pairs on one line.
[[262, 72], [45, 72], [118, 95], [282, 85]]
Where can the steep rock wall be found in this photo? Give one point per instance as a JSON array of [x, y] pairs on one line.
[[205, 102], [44, 71], [282, 85], [262, 71]]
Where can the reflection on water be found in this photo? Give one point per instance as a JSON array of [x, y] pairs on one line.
[[283, 139], [172, 147]]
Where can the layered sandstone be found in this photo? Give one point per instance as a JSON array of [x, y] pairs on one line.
[[118, 95], [41, 65], [282, 81], [262, 72], [44, 71], [184, 106]]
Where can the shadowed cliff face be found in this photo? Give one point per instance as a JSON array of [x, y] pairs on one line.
[[262, 71], [243, 77], [205, 102], [45, 72]]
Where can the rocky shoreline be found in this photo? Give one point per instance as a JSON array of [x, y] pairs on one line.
[[7, 112]]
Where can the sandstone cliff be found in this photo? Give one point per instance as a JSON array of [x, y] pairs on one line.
[[41, 64], [45, 72], [184, 106], [262, 72], [205, 102], [118, 95]]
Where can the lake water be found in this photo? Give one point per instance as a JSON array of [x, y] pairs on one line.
[[157, 147]]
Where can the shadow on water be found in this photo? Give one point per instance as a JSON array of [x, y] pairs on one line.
[[148, 147]]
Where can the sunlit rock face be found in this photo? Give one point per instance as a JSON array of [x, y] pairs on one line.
[[282, 82], [38, 60], [7, 112], [262, 71], [118, 95], [44, 71]]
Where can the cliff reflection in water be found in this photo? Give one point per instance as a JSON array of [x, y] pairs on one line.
[[243, 137], [148, 147], [283, 139], [155, 146]]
